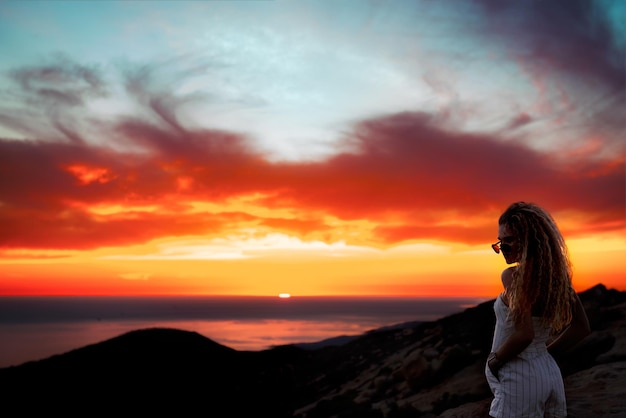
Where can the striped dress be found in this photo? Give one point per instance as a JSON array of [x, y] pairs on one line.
[[531, 384]]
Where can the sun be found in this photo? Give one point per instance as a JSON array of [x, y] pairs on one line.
[[284, 295]]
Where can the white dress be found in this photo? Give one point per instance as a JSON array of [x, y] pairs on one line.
[[531, 384]]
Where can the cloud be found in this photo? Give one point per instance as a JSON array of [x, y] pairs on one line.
[[49, 99], [573, 51], [408, 175], [410, 166], [133, 156], [244, 246], [33, 255], [60, 83], [575, 37], [519, 121], [135, 276]]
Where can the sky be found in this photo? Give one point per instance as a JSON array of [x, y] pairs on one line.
[[304, 147]]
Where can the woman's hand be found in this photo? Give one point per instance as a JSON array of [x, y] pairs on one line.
[[494, 364]]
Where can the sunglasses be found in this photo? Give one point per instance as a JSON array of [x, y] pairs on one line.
[[499, 246]]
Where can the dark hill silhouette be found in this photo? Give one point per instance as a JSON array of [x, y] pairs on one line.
[[151, 371], [416, 369]]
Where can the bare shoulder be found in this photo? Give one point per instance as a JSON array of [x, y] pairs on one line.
[[507, 276]]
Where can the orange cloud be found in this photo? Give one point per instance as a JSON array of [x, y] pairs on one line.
[[86, 175], [406, 174]]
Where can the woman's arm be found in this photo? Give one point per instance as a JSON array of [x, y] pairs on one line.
[[576, 330], [521, 337], [514, 344]]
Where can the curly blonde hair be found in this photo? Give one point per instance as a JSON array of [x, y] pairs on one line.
[[542, 279]]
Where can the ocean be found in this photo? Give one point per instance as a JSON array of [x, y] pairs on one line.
[[33, 328]]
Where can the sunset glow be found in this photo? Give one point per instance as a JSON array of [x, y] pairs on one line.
[[307, 146]]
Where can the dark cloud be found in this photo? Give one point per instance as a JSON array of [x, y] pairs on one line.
[[519, 121], [61, 83], [49, 99], [574, 40], [570, 36], [411, 166], [151, 86], [162, 104], [409, 175]]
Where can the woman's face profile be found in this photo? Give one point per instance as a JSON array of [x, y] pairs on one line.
[[509, 244]]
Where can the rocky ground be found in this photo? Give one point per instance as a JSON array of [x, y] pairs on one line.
[[437, 368]]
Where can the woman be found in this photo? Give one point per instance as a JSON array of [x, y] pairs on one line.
[[537, 303]]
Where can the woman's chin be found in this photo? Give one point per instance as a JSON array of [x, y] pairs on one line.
[[509, 259]]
